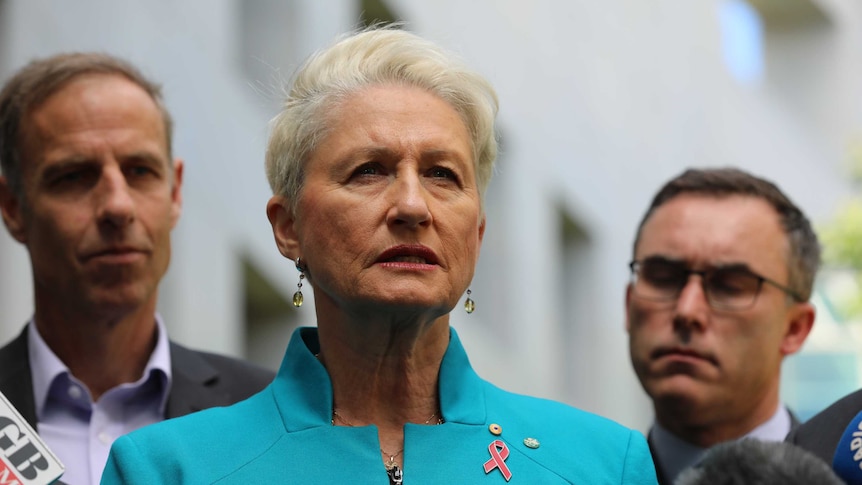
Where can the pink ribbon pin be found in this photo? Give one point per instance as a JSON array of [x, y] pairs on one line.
[[499, 452]]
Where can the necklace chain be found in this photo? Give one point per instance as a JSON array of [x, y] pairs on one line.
[[392, 470], [344, 421], [390, 463]]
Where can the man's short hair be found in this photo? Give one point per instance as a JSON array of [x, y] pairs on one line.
[[804, 249], [41, 78]]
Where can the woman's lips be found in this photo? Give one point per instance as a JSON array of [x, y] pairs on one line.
[[408, 255]]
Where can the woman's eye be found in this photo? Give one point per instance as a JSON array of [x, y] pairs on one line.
[[367, 169], [443, 173]]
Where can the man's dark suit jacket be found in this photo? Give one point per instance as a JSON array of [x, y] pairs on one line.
[[821, 434], [199, 380]]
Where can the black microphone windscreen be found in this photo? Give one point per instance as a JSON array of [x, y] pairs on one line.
[[750, 461]]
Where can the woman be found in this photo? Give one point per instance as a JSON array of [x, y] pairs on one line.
[[379, 160]]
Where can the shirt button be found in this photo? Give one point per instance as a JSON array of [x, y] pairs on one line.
[[105, 438], [75, 392]]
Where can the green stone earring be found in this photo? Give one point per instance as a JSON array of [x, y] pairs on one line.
[[469, 304], [297, 297]]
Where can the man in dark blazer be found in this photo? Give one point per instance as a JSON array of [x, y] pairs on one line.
[[90, 188], [822, 433], [722, 271], [201, 380]]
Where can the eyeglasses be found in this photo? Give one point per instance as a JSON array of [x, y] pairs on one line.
[[726, 288]]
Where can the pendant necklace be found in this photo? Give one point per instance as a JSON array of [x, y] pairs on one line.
[[393, 471], [396, 474]]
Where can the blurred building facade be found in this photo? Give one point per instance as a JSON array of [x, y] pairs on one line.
[[601, 102]]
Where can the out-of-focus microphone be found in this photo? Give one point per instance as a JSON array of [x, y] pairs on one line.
[[847, 461], [24, 457], [751, 461]]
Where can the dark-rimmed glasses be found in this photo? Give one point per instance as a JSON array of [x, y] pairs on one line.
[[733, 287]]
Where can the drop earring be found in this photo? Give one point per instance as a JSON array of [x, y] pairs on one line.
[[297, 297], [469, 304]]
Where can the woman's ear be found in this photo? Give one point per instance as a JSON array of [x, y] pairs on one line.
[[283, 222]]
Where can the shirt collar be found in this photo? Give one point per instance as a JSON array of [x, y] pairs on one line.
[[775, 428], [46, 367], [675, 454]]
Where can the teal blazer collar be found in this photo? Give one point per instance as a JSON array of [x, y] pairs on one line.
[[303, 390]]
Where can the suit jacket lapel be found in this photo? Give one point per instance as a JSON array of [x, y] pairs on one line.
[[16, 381], [193, 384], [659, 472], [794, 421]]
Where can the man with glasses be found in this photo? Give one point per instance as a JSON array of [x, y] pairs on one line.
[[723, 268]]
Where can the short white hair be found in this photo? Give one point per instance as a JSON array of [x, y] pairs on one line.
[[375, 56]]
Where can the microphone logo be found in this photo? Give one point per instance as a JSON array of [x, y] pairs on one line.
[[856, 445], [847, 460]]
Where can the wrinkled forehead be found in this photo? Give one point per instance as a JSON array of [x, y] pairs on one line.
[[92, 101], [93, 88]]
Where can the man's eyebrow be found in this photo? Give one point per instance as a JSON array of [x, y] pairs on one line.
[[659, 258], [67, 164], [731, 266], [735, 266], [142, 155]]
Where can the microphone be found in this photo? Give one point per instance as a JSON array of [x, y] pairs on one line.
[[24, 457], [847, 461], [749, 461]]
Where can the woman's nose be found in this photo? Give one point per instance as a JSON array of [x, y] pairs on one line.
[[409, 201]]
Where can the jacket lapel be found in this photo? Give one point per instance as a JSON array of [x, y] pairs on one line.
[[16, 380], [193, 384], [659, 472], [794, 421]]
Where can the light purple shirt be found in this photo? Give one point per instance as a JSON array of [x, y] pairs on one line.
[[81, 432]]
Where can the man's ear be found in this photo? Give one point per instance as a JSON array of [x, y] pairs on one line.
[[628, 303], [13, 214], [801, 320], [280, 216], [177, 192]]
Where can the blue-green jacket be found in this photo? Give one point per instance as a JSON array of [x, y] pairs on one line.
[[283, 435]]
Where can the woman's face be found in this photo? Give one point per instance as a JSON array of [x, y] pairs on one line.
[[390, 211]]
